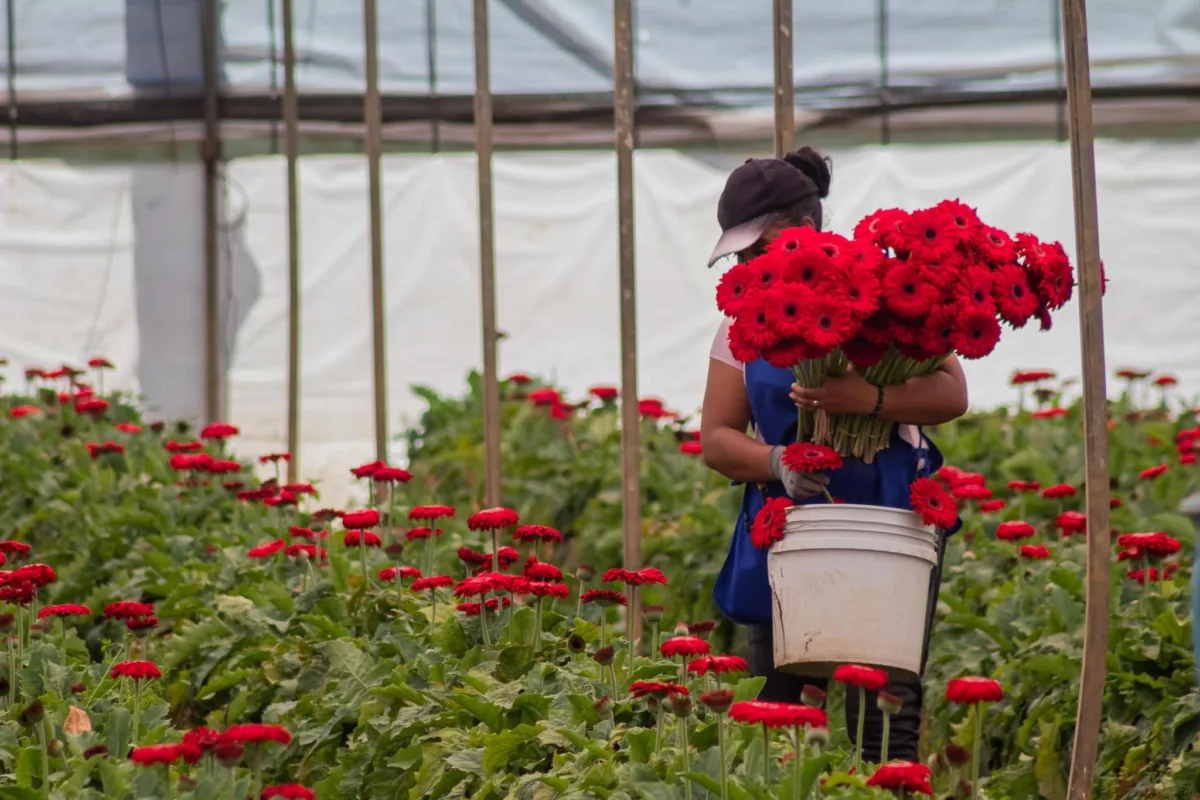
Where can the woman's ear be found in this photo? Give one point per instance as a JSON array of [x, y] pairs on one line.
[[808, 221]]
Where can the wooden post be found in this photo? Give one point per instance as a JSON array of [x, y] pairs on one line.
[[292, 149], [373, 117], [214, 361], [487, 258], [623, 123], [1095, 403], [785, 90]]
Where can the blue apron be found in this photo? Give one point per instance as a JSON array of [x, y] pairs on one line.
[[742, 591]]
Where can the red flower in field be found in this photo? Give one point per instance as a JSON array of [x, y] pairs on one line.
[[604, 393], [1129, 554], [142, 624], [604, 597], [519, 378], [366, 518], [431, 583], [473, 586], [531, 533], [794, 715], [413, 534], [651, 408], [690, 448], [1024, 486], [368, 469], [751, 712], [684, 647], [138, 670], [94, 406], [95, 450], [545, 397], [1150, 544], [540, 571], [65, 610], [388, 574], [128, 427], [634, 578], [1187, 458], [224, 466], [544, 589], [289, 791], [473, 557], [325, 514], [1166, 380], [720, 665], [23, 411], [972, 492], [1013, 530], [472, 609], [310, 551], [933, 503], [296, 532], [253, 732], [391, 475], [1034, 551], [491, 519], [361, 539], [507, 557], [184, 447], [430, 512], [99, 362], [164, 754], [37, 574], [14, 548], [219, 430], [1071, 522], [1032, 376], [1059, 491], [1152, 574], [1049, 413], [1153, 472], [20, 592], [271, 458], [202, 738], [992, 506], [284, 498], [701, 628], [300, 488], [128, 609], [767, 527], [973, 689], [865, 677], [807, 457], [719, 700], [658, 689], [904, 776]]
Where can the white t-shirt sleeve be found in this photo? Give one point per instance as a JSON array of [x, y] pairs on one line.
[[720, 348]]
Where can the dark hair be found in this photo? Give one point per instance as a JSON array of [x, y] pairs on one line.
[[818, 170]]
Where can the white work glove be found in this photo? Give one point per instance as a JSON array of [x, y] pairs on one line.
[[798, 485]]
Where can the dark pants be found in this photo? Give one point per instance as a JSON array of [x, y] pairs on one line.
[[906, 725]]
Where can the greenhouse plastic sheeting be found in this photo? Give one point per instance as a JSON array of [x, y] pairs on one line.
[[109, 260]]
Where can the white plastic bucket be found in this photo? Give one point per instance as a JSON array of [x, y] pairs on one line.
[[850, 585]]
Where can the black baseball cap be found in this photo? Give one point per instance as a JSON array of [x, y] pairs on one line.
[[754, 193]]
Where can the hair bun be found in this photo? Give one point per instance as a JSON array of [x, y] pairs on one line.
[[816, 166]]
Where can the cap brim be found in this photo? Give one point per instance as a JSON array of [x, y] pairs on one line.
[[739, 237]]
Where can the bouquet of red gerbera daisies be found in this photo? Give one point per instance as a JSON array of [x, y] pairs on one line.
[[906, 292]]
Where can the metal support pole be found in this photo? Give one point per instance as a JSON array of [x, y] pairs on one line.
[[435, 105], [623, 123], [487, 258], [11, 21], [1095, 403], [885, 121], [214, 362], [1060, 105], [373, 116], [785, 90], [292, 151]]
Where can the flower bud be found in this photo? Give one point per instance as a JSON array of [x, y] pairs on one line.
[[576, 643], [681, 704], [78, 688], [604, 656], [888, 703], [33, 714], [394, 549], [35, 631], [702, 628], [228, 753], [95, 750], [817, 738], [719, 700], [603, 704], [651, 613], [812, 696], [681, 629], [957, 754], [585, 572], [6, 622]]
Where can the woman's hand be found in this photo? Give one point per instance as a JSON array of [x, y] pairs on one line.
[[844, 394]]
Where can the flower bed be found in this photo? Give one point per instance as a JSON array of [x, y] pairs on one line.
[[246, 641]]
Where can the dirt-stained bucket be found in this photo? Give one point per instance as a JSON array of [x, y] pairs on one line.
[[850, 585]]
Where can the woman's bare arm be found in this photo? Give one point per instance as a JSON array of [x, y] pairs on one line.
[[723, 424], [932, 399]]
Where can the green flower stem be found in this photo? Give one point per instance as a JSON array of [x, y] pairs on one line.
[[766, 756], [256, 766], [975, 754], [137, 707], [612, 672], [883, 750], [427, 556], [362, 559], [63, 641], [512, 616], [578, 601], [483, 623], [1145, 579], [1162, 579], [633, 604], [603, 626], [433, 597], [721, 750], [654, 639], [683, 741], [797, 761], [537, 627], [495, 550], [42, 740], [12, 671], [862, 720], [658, 735], [167, 781]]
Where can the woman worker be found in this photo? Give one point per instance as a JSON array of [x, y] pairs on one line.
[[763, 197]]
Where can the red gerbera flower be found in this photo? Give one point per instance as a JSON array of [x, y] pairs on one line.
[[1034, 551], [1153, 544], [607, 394], [861, 291], [720, 665], [685, 646], [128, 427], [65, 610], [412, 534], [785, 354], [933, 503], [1015, 300], [784, 309], [1071, 522], [826, 322], [39, 575], [808, 457], [431, 583], [1152, 574], [138, 670], [473, 557], [150, 755], [974, 289], [1058, 491], [361, 539], [391, 475], [218, 430], [1153, 472], [1049, 413], [541, 571], [297, 532], [976, 333], [310, 551], [908, 290], [864, 354], [266, 550], [24, 411], [857, 675], [366, 518], [255, 732], [992, 506], [142, 624], [971, 689], [735, 284], [604, 597], [128, 609], [1024, 486], [204, 739], [1013, 530], [367, 470], [548, 589], [491, 519], [530, 533], [430, 512], [767, 527], [289, 791], [995, 246], [1031, 376], [184, 447], [1166, 380], [691, 448], [273, 457], [932, 235], [972, 492], [657, 689], [904, 776]]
